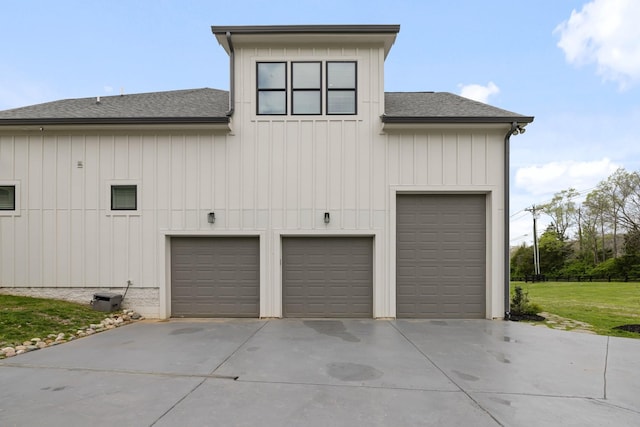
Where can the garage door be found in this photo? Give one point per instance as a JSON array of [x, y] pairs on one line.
[[440, 256], [327, 276], [215, 277]]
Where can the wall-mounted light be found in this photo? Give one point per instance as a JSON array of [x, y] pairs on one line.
[[211, 217], [327, 218]]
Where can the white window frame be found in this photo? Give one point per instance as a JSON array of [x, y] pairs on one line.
[[124, 212], [16, 208]]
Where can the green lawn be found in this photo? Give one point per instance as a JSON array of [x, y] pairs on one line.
[[24, 318], [603, 305]]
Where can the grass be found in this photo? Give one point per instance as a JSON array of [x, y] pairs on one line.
[[603, 305], [24, 318]]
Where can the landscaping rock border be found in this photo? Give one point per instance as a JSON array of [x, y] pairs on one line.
[[112, 321]]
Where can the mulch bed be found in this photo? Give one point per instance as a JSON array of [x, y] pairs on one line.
[[629, 328], [516, 317]]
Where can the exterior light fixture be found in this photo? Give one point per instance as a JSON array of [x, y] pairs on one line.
[[211, 217], [327, 218]]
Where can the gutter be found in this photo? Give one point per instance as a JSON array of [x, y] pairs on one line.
[[452, 119], [232, 60], [514, 130]]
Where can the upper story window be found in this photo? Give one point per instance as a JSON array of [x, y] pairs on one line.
[[302, 86], [272, 88], [306, 88], [341, 88]]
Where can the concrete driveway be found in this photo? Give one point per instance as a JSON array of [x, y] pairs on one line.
[[326, 373]]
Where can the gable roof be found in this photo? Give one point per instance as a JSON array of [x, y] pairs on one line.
[[210, 106], [191, 106]]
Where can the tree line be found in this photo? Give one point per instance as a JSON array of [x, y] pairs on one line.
[[597, 238]]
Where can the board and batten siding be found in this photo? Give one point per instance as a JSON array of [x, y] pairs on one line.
[[278, 183], [270, 177]]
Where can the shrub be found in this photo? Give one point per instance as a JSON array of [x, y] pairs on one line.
[[521, 305]]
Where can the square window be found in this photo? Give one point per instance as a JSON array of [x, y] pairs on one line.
[[272, 75], [306, 102], [341, 75], [7, 197], [306, 75], [124, 197], [272, 103], [341, 102]]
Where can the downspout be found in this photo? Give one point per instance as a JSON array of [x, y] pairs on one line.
[[515, 128], [232, 60]]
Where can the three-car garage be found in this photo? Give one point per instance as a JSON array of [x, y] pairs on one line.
[[440, 264]]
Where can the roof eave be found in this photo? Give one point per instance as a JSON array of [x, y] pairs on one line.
[[282, 34], [211, 123], [305, 29]]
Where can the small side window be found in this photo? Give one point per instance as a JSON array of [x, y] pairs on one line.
[[7, 197], [124, 197]]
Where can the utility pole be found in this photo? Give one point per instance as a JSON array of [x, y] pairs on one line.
[[536, 250]]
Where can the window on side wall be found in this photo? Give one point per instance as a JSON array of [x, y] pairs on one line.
[[7, 197], [341, 87], [124, 197], [272, 88]]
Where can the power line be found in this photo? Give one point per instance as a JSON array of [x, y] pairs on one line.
[[578, 193]]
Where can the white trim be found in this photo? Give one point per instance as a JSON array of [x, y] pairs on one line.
[[164, 265], [18, 200], [379, 286]]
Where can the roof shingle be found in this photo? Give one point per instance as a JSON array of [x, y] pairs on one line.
[[211, 105], [185, 104], [433, 107]]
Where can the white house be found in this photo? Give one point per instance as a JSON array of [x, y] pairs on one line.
[[303, 191]]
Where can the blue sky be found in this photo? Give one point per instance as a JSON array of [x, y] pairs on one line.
[[573, 64]]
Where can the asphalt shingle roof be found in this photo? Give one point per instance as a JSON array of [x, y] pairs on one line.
[[211, 105], [178, 105], [441, 107]]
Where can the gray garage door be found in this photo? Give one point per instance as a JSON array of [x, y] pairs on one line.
[[215, 277], [327, 276], [440, 256]]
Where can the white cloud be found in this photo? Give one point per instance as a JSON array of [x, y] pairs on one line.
[[478, 92], [607, 33], [552, 177]]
